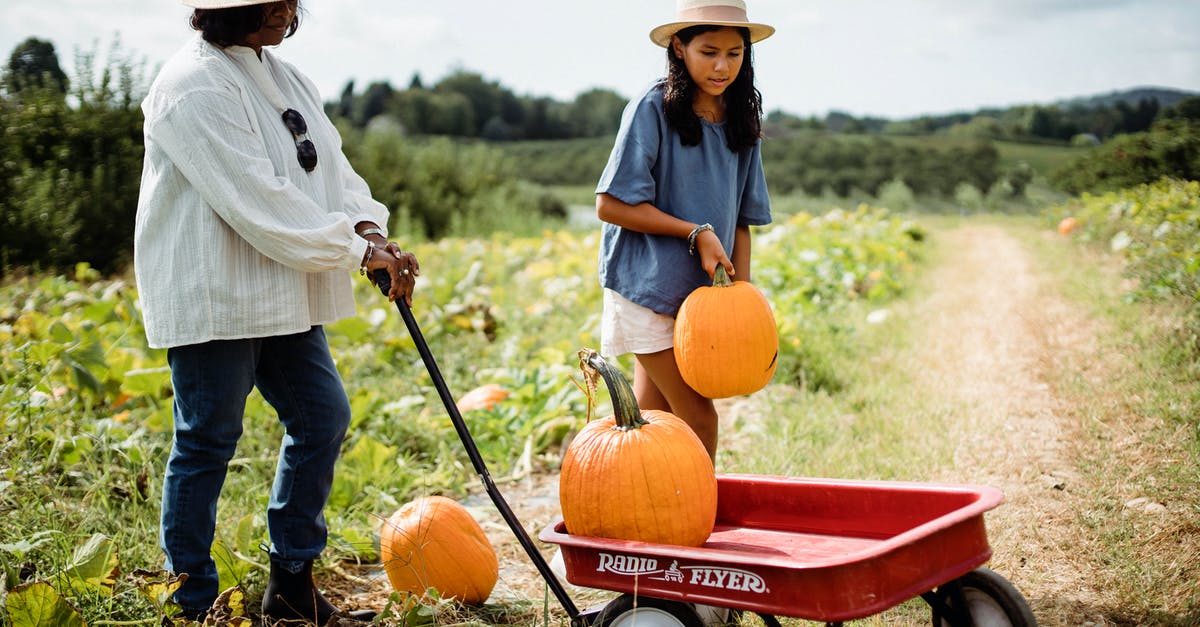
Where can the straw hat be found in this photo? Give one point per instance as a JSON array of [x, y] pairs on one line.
[[223, 4], [718, 12]]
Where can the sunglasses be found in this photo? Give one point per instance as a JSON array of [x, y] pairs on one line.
[[306, 152]]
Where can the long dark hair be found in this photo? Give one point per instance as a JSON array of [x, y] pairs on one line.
[[229, 27], [743, 113]]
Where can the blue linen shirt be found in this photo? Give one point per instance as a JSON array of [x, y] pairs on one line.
[[703, 183]]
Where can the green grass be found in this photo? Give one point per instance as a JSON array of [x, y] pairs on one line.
[[1043, 158]]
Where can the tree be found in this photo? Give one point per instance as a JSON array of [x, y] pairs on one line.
[[345, 106], [373, 102], [34, 64], [1186, 109], [596, 112]]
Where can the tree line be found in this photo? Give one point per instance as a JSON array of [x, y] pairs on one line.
[[465, 104], [1082, 122]]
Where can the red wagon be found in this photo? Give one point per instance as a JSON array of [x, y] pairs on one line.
[[808, 548], [817, 549]]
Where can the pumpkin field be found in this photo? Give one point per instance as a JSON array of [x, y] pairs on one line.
[[978, 349]]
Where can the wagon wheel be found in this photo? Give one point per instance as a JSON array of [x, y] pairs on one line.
[[980, 598], [628, 610]]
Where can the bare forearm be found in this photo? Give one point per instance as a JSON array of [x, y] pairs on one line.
[[643, 218]]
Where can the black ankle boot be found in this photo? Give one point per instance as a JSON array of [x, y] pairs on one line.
[[292, 598]]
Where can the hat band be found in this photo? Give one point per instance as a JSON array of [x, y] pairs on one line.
[[719, 13]]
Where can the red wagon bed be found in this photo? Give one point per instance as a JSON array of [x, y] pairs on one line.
[[817, 549]]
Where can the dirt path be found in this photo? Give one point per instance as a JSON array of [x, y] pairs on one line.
[[992, 330]]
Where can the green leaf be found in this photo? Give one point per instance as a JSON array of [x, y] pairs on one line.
[[94, 564], [249, 535], [38, 604], [87, 364], [353, 329], [22, 547], [231, 567], [60, 333], [369, 460], [147, 381]]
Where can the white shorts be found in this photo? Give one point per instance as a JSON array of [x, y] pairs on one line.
[[627, 327]]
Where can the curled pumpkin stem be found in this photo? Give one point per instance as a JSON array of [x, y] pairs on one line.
[[625, 407]]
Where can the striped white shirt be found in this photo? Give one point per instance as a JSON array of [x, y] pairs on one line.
[[233, 238]]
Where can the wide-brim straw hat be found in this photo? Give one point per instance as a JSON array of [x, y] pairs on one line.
[[715, 12], [223, 4]]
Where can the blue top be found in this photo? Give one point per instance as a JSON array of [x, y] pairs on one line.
[[703, 183]]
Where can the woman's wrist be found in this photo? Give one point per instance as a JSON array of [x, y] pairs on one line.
[[700, 228], [362, 267]]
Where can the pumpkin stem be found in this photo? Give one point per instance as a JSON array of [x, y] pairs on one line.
[[625, 407], [721, 277]]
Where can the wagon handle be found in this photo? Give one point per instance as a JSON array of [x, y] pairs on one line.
[[384, 283]]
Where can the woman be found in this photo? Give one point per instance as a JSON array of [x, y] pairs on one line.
[[249, 223], [682, 187]]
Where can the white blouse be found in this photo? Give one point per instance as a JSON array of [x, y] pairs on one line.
[[233, 238]]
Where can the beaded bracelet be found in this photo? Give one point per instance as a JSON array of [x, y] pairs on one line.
[[692, 237], [362, 270]]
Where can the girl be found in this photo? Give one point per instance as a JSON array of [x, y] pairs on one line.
[[681, 189]]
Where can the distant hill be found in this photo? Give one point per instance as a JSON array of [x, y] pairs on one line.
[[1164, 96], [1084, 118]]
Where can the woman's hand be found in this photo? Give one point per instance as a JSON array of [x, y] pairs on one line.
[[402, 268], [712, 253]]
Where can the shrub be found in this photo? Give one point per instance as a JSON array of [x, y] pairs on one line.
[[437, 186], [1171, 148], [71, 168], [1155, 229]]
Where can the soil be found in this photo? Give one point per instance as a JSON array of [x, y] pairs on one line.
[[995, 338]]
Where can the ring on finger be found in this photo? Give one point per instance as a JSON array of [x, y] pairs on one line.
[[404, 271]]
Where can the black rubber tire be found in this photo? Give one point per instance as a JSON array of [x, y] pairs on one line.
[[991, 600], [628, 610]]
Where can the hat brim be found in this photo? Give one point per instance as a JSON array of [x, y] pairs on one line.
[[222, 4], [662, 35]]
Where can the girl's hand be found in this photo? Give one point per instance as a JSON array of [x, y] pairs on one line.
[[712, 253], [402, 268]]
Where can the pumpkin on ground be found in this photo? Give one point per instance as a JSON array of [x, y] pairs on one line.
[[433, 542], [726, 342], [1067, 225], [637, 475], [483, 397]]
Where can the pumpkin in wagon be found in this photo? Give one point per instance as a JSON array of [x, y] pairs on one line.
[[726, 342], [637, 475], [434, 542]]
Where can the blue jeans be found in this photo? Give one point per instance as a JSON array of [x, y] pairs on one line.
[[296, 375]]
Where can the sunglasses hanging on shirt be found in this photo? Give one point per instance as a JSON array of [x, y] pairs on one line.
[[306, 152]]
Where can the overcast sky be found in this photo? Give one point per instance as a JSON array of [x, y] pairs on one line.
[[888, 58]]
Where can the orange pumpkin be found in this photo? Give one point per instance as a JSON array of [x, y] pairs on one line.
[[637, 475], [726, 342], [483, 397], [433, 542], [1067, 225]]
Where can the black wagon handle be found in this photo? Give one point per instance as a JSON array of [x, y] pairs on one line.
[[384, 282]]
